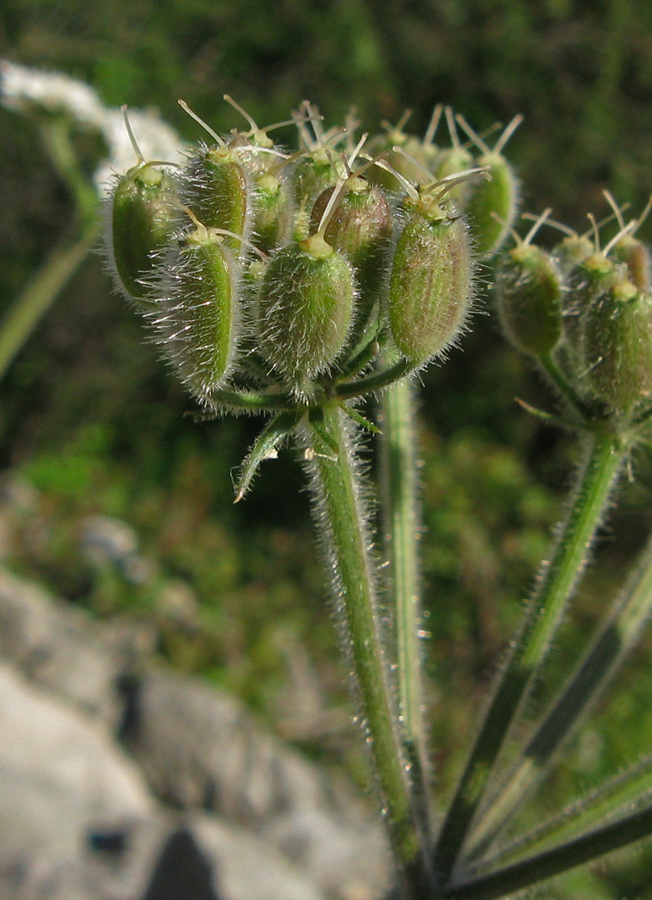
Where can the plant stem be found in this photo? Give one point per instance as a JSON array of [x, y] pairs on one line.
[[629, 788], [542, 616], [375, 382], [42, 290], [401, 532], [616, 637], [340, 513], [553, 862]]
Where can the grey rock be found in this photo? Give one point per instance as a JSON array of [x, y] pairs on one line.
[[57, 647], [200, 749], [59, 776]]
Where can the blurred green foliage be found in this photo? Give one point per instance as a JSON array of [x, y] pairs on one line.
[[92, 419]]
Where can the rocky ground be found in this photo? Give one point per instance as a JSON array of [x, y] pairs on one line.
[[123, 781]]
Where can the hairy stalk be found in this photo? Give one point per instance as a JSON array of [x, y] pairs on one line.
[[375, 382], [632, 787], [542, 616], [562, 384], [584, 849], [401, 526], [618, 634], [43, 289], [341, 517]]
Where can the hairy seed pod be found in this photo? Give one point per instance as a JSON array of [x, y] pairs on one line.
[[617, 346], [215, 186], [143, 217], [636, 256], [492, 203], [305, 309], [272, 212], [572, 252], [198, 318], [529, 291], [593, 277], [430, 286], [313, 173], [361, 227]]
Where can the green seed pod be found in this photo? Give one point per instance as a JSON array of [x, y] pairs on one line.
[[529, 292], [361, 227], [572, 252], [313, 173], [592, 278], [215, 186], [430, 285], [305, 309], [492, 204], [272, 212], [198, 316], [143, 217], [617, 347], [636, 256], [410, 157]]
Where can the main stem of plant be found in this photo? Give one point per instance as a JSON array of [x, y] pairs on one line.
[[342, 519]]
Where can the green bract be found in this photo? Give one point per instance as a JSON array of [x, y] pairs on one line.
[[142, 219]]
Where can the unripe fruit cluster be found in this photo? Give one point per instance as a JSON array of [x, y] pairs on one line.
[[254, 266], [586, 311]]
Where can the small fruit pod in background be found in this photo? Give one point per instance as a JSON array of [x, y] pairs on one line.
[[587, 282], [197, 320], [273, 210], [492, 203], [617, 347], [361, 227], [305, 308], [408, 156], [529, 292], [571, 252], [143, 215], [430, 291]]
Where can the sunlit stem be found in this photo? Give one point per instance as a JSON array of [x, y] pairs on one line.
[[401, 528], [542, 617], [616, 637], [342, 519]]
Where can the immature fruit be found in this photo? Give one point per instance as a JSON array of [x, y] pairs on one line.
[[572, 252], [430, 285], [215, 186], [636, 256], [305, 309], [272, 212], [617, 346], [529, 291], [142, 219], [492, 203], [361, 228], [198, 319], [591, 279]]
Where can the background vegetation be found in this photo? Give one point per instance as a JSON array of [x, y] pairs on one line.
[[91, 419]]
